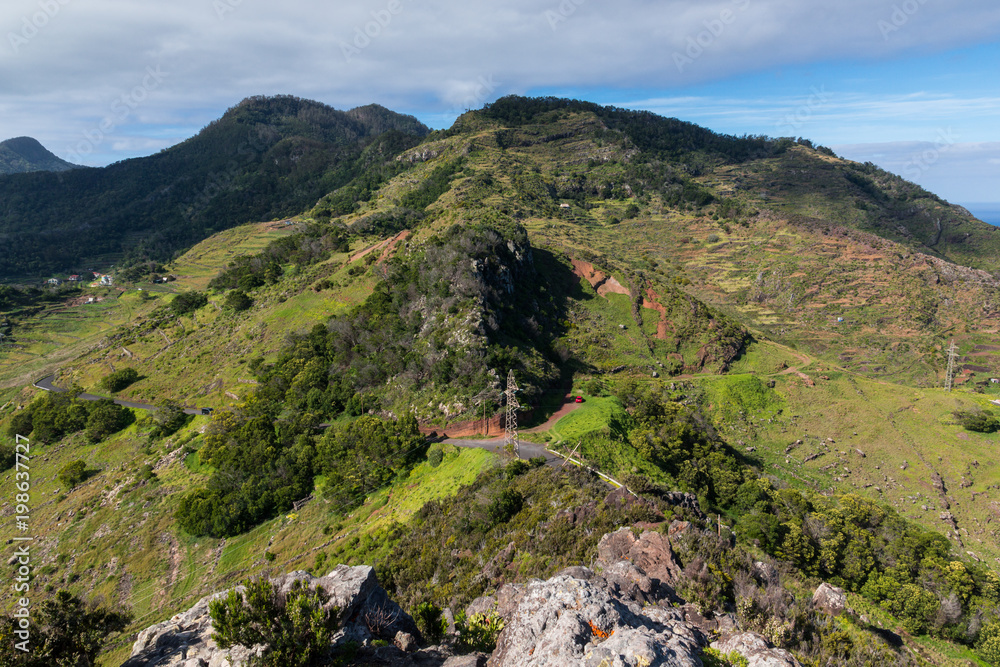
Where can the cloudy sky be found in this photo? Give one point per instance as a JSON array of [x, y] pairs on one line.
[[911, 85]]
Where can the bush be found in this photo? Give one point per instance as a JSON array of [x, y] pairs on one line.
[[73, 473], [430, 622], [188, 302], [479, 632], [105, 418], [120, 379], [978, 421], [237, 300], [294, 627], [988, 646], [435, 456], [65, 632]]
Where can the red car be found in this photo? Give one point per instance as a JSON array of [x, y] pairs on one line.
[[578, 399]]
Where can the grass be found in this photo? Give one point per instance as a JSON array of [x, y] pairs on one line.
[[592, 415]]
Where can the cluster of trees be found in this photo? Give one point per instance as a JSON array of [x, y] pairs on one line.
[[313, 244], [65, 632], [261, 466], [666, 138], [52, 416]]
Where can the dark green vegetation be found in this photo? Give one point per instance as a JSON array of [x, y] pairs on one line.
[[120, 379], [65, 632], [24, 154], [294, 626], [266, 158], [53, 416]]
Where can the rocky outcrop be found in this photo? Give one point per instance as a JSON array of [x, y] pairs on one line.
[[757, 651], [365, 612], [569, 620], [829, 599]]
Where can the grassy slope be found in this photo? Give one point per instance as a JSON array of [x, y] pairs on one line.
[[811, 274]]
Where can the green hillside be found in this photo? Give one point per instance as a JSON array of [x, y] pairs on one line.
[[753, 322], [24, 154], [265, 158]]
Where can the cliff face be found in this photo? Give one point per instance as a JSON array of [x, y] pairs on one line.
[[623, 612]]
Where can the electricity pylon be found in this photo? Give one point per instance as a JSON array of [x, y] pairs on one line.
[[950, 375], [510, 442]]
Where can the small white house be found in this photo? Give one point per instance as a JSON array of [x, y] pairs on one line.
[[107, 281], [53, 281], [994, 380]]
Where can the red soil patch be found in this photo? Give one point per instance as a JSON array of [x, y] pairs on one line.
[[391, 243], [654, 304], [604, 284]]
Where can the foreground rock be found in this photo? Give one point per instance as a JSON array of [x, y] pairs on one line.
[[756, 650], [578, 621], [366, 613], [621, 613]]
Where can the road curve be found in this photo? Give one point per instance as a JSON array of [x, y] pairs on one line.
[[45, 384]]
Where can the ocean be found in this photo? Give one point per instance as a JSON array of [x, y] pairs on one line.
[[986, 212]]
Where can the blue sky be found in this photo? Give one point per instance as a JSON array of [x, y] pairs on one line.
[[911, 85]]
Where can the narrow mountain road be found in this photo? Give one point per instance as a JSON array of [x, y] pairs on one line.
[[45, 384], [527, 450]]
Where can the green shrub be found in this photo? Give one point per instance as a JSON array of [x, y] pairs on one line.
[[294, 627], [120, 379], [978, 421], [188, 302], [479, 632], [73, 473], [435, 456], [107, 417], [988, 646], [237, 300], [430, 622]]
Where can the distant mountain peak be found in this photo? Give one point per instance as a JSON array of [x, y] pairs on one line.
[[23, 154]]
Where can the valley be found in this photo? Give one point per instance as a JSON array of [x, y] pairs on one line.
[[758, 329]]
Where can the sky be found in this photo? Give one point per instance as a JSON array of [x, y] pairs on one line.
[[910, 85]]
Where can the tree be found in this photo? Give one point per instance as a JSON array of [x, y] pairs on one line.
[[120, 379], [65, 633], [73, 473], [105, 418], [238, 300], [188, 302], [295, 627]]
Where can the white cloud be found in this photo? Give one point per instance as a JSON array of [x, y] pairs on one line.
[[428, 56]]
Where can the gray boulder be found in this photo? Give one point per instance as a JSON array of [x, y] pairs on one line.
[[569, 621], [757, 651], [829, 599]]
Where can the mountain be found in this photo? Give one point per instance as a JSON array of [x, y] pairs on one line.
[[758, 332], [24, 154], [265, 158]]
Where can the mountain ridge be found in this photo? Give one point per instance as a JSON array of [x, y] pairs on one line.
[[22, 155]]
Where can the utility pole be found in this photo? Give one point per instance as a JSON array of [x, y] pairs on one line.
[[510, 441], [950, 375]]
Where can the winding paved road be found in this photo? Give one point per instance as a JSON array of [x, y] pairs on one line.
[[45, 384], [527, 450]]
